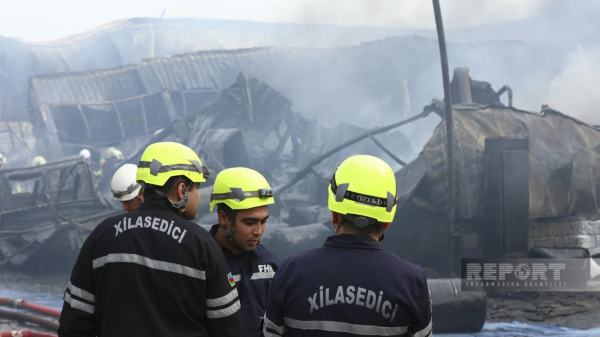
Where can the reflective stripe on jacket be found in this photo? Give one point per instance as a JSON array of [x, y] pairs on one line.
[[150, 273], [348, 286], [253, 272]]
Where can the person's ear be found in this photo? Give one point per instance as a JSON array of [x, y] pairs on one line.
[[223, 218], [335, 221], [335, 218], [181, 189]]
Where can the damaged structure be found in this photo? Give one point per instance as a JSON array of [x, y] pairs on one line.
[[223, 104], [524, 181], [46, 212]]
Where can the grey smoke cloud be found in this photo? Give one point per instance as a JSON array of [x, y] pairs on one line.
[[41, 20], [412, 13], [576, 89]]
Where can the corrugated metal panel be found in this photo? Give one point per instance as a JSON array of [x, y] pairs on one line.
[[204, 70]]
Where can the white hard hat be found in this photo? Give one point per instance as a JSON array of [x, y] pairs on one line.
[[38, 161], [123, 185], [85, 154], [2, 159]]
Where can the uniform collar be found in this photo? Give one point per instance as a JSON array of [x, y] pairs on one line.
[[352, 241], [158, 203]]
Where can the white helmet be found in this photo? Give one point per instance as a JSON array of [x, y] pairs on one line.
[[85, 154], [123, 185], [38, 161], [2, 159]]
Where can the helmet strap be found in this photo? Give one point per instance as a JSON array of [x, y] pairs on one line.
[[180, 205], [336, 228], [229, 229], [228, 232]]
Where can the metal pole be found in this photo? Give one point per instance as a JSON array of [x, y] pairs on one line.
[[449, 122]]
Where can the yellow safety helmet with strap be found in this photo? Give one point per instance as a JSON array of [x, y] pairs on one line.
[[163, 160], [363, 187], [38, 161], [241, 188]]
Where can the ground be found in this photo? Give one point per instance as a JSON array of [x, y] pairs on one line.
[[576, 310], [42, 289]]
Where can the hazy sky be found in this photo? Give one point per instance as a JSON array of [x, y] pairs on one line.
[[44, 20]]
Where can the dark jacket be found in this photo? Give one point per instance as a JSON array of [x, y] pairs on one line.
[[348, 287], [150, 273], [253, 272]]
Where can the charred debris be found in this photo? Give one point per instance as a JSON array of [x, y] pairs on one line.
[[217, 103], [512, 167], [525, 182]]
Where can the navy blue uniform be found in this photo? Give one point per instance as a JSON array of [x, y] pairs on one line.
[[150, 273], [349, 287], [253, 273]]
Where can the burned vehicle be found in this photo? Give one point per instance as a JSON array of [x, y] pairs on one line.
[[46, 212]]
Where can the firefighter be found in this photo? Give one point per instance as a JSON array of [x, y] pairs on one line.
[[112, 158], [113, 152], [153, 272], [351, 286], [126, 189], [86, 155], [241, 197], [2, 159]]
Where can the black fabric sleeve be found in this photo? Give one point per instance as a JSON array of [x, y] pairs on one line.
[[274, 325], [422, 324], [222, 299], [77, 318]]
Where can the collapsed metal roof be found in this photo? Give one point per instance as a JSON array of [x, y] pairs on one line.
[[564, 160]]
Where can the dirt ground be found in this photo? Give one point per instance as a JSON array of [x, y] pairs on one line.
[[51, 288], [575, 310]]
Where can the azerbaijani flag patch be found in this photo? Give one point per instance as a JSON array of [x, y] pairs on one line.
[[231, 279]]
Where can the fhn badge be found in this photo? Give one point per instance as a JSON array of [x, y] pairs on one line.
[[569, 274]]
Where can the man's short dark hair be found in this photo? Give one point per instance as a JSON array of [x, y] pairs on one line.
[[231, 213], [376, 227], [153, 190]]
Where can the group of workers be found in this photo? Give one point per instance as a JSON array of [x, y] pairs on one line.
[[36, 161], [110, 154], [152, 271]]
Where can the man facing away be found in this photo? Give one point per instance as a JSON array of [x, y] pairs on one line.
[[350, 286], [153, 272], [126, 189], [242, 196]]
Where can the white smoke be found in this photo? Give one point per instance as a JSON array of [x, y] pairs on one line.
[[42, 20], [409, 13], [576, 89]]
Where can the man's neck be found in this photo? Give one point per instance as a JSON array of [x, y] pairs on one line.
[[224, 242]]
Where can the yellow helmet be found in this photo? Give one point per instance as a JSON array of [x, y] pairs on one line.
[[38, 161], [364, 186], [113, 152], [163, 160], [241, 188]]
